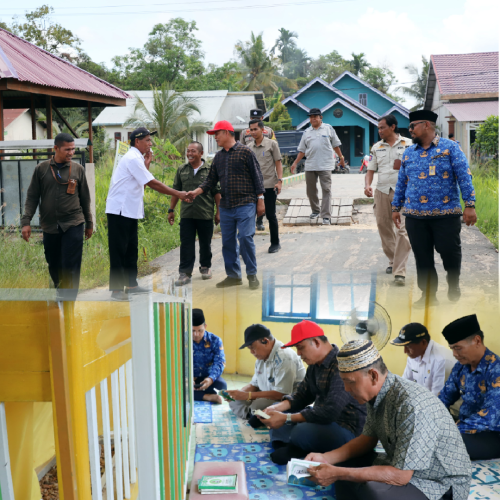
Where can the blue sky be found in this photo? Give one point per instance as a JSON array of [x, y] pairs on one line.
[[390, 33]]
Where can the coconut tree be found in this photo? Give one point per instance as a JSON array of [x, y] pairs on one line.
[[359, 63], [172, 115], [418, 87], [258, 70], [285, 44]]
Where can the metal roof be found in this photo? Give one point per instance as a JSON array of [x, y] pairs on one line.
[[466, 73], [9, 115], [26, 62], [209, 102], [473, 111], [39, 144]]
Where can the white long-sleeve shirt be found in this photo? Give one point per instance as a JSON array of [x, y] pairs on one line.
[[432, 369]]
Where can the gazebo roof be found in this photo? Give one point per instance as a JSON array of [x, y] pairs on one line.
[[27, 69]]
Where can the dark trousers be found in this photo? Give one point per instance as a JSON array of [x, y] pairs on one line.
[[483, 445], [189, 228], [270, 197], [219, 384], [443, 235], [373, 490], [63, 253], [123, 244]]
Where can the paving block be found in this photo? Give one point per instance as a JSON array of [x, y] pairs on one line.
[[346, 201], [344, 221], [345, 211], [304, 211], [335, 211]]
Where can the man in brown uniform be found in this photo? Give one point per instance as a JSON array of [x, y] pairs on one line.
[[246, 135], [61, 188]]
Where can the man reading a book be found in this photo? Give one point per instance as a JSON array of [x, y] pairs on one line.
[[425, 457], [277, 373], [335, 418]]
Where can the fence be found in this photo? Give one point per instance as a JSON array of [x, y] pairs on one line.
[[119, 378]]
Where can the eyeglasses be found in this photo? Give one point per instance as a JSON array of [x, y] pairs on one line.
[[411, 126]]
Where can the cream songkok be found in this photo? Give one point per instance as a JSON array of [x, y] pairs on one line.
[[356, 355]]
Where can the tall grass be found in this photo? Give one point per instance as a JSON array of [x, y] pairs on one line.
[[23, 265]]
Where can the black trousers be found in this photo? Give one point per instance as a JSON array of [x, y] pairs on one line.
[[483, 445], [219, 384], [373, 490], [443, 235], [270, 197], [123, 244], [63, 253], [189, 228]]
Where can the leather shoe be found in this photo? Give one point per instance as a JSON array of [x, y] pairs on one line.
[[260, 227], [274, 248], [229, 282], [454, 293], [253, 282], [137, 289], [389, 270]]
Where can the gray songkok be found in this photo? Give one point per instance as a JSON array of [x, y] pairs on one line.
[[356, 355]]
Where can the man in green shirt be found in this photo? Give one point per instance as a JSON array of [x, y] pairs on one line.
[[197, 217]]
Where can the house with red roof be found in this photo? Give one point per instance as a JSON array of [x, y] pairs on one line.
[[17, 125], [463, 90]]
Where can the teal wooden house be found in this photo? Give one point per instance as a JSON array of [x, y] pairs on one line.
[[352, 106]]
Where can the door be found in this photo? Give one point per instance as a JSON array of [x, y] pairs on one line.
[[344, 134]]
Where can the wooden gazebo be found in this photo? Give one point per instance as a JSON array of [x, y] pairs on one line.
[[33, 78]]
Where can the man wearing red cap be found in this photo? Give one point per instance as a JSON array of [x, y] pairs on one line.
[[242, 191], [335, 418]]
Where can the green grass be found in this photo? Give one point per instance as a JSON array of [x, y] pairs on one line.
[[485, 180], [23, 264]]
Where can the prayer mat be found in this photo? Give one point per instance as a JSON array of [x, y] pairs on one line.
[[265, 480], [202, 412], [485, 482], [227, 428]]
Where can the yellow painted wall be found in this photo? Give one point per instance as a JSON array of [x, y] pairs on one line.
[[229, 312]]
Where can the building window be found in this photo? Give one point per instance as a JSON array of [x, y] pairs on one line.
[[118, 137], [129, 135], [359, 140], [325, 298], [363, 98]]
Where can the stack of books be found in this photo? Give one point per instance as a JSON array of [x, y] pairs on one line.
[[210, 485]]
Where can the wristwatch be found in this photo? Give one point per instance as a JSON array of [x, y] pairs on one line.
[[289, 419], [280, 180], [170, 210], [260, 197]]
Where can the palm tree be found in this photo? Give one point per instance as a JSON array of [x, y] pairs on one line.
[[418, 87], [298, 65], [172, 116], [285, 44], [359, 63], [258, 70]]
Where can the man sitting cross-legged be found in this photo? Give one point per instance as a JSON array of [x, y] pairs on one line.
[[208, 361], [425, 457], [335, 418], [277, 373]]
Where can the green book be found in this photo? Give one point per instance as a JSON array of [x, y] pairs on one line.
[[218, 484]]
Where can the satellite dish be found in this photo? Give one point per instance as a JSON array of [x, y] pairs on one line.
[[241, 119], [377, 327]]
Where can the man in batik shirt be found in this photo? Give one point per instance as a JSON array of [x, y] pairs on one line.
[[425, 457], [475, 378], [208, 361]]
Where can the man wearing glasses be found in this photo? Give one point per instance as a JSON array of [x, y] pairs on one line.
[[427, 193]]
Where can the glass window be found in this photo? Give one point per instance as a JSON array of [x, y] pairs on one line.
[[363, 99], [118, 137]]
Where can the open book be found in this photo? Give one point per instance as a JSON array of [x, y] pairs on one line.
[[296, 471]]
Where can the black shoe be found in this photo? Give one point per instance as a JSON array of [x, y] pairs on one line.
[[253, 282], [433, 301], [260, 226], [389, 270], [454, 293], [283, 455], [119, 295], [254, 422], [229, 282], [274, 248], [137, 289]]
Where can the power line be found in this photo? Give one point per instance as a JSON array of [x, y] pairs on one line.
[[242, 7]]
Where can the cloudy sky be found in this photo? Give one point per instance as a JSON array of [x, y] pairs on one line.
[[391, 34]]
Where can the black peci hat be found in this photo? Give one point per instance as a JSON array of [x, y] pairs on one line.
[[315, 111], [256, 113], [139, 133], [410, 333], [255, 332], [461, 328], [423, 114], [198, 317]]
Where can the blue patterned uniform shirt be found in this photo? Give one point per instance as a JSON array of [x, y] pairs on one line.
[[480, 391], [208, 357], [429, 179]]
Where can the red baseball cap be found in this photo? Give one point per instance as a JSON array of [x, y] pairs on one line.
[[222, 125], [304, 330]]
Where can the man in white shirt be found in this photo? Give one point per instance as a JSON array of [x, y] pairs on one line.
[[429, 363], [124, 206], [318, 144], [277, 373]]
